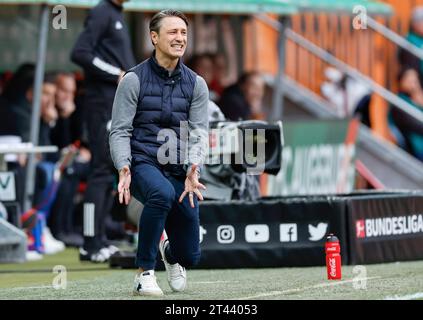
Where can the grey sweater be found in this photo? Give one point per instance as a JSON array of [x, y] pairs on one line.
[[124, 109]]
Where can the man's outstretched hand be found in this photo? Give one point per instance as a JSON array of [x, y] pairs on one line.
[[192, 186], [124, 183]]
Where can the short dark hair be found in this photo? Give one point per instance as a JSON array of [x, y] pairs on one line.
[[21, 81], [159, 16], [50, 77], [192, 63], [246, 76]]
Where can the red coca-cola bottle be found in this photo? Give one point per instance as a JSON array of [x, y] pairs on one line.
[[333, 257]]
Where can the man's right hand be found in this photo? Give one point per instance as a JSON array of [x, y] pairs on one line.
[[124, 183]]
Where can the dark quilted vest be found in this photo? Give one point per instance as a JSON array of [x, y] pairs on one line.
[[164, 100]]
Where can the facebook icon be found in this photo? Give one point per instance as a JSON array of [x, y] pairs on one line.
[[288, 232]]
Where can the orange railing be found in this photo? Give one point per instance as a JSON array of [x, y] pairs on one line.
[[366, 50]]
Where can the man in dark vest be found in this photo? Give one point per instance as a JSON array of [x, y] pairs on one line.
[[104, 51], [158, 140]]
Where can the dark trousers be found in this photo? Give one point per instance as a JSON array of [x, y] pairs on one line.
[[98, 196], [62, 213], [160, 192]]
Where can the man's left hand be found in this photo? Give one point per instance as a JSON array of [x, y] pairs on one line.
[[192, 186]]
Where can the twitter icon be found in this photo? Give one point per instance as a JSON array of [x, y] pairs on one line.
[[317, 233]]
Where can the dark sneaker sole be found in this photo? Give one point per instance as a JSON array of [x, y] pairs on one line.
[[88, 259]]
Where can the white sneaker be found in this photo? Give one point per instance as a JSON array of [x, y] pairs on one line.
[[99, 256], [32, 255], [145, 284], [112, 249], [176, 274], [51, 245]]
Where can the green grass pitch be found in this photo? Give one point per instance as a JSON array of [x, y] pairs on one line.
[[35, 280]]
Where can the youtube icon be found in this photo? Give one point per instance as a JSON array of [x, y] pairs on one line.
[[257, 233]]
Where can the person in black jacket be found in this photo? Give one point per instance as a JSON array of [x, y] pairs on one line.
[[415, 36], [104, 51], [244, 99]]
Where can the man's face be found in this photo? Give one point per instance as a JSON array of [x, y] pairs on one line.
[[48, 94], [410, 81], [254, 89], [418, 27], [48, 110], [66, 88], [172, 37]]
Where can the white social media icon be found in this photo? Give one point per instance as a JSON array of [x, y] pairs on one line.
[[288, 232], [317, 233], [257, 233], [225, 234]]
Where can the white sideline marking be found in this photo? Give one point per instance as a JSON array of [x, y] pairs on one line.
[[25, 288], [212, 282], [414, 296], [51, 287], [319, 285]]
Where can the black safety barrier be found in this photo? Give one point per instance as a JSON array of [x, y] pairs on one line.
[[385, 227], [270, 232], [291, 231]]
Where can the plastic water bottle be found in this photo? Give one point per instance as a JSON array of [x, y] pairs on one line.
[[333, 257]]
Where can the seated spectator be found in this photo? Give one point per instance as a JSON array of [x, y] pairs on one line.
[[15, 108], [17, 98], [244, 100], [40, 239], [61, 219], [65, 105], [415, 36], [15, 114], [222, 77], [203, 66], [48, 111], [410, 128], [47, 180], [19, 105], [14, 94]]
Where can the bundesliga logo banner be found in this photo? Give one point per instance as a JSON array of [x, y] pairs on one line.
[[386, 227], [389, 226]]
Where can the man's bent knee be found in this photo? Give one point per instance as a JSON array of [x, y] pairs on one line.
[[162, 198]]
